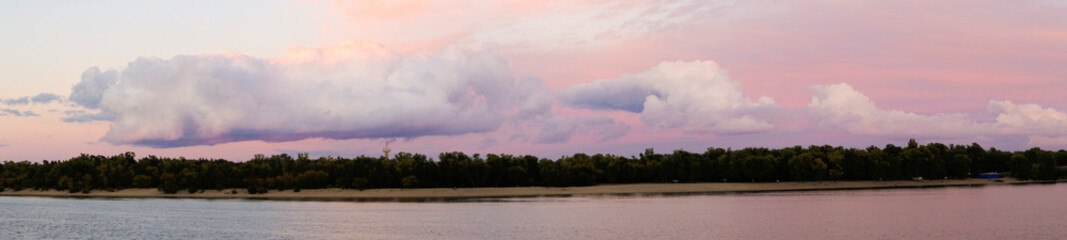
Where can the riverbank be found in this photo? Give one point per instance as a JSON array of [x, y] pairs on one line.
[[334, 194]]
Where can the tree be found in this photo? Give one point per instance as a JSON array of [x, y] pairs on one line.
[[552, 174], [1043, 164], [1021, 167], [142, 181], [517, 176], [960, 167], [170, 183], [313, 179], [977, 155], [835, 160], [915, 162], [410, 181], [878, 168], [760, 168], [456, 169], [806, 167]]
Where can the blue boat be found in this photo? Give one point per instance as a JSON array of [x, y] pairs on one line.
[[990, 175]]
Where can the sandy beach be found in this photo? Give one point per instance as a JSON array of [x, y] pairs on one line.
[[335, 194]]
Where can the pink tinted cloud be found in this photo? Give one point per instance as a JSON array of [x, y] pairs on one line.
[[350, 90], [937, 50], [917, 57], [895, 48], [921, 57]]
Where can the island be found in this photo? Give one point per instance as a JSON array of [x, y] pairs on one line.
[[458, 175]]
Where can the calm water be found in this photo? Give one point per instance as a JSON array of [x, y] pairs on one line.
[[992, 212]]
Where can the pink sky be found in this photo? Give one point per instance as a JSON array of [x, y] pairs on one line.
[[542, 77]]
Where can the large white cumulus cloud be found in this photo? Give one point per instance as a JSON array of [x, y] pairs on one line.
[[353, 90], [695, 96], [1028, 119], [841, 107]]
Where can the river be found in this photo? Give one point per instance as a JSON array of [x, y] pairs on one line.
[[990, 212]]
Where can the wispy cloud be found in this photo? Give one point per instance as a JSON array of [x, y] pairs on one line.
[[46, 98], [85, 117], [17, 101], [560, 129], [17, 113], [615, 70], [521, 26], [42, 98]]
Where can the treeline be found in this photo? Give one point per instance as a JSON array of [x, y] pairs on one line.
[[86, 173]]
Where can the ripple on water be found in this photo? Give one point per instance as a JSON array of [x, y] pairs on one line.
[[1014, 212]]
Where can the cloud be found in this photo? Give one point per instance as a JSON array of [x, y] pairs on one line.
[[626, 94], [352, 90], [610, 130], [1028, 119], [841, 107], [17, 113], [488, 142], [520, 26], [82, 117], [43, 98], [17, 101], [90, 90], [694, 96], [560, 130]]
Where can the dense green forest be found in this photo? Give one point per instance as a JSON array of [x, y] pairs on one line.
[[86, 173]]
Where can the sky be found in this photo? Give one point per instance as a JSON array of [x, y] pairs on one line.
[[210, 79]]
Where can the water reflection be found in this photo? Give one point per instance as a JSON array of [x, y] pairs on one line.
[[1015, 212]]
